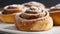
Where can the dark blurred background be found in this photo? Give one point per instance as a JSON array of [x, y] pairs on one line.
[[47, 3]]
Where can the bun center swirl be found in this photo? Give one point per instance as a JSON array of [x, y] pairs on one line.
[[33, 13]]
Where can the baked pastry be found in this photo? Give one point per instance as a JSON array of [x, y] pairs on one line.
[[36, 4], [34, 20], [55, 14], [8, 13]]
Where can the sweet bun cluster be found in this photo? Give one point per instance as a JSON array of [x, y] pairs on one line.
[[9, 11], [30, 16]]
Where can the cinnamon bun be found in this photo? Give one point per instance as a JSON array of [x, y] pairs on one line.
[[55, 14], [36, 4], [9, 12], [34, 20]]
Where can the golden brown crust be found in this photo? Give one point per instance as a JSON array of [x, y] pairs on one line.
[[35, 25], [7, 18], [56, 17]]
